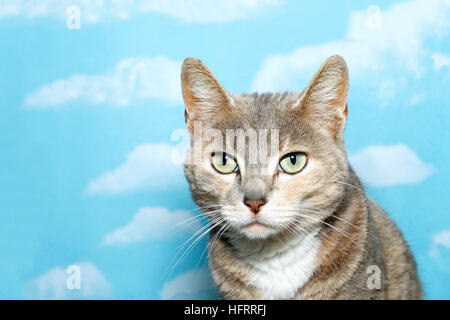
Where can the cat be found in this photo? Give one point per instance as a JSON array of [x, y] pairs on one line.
[[299, 225]]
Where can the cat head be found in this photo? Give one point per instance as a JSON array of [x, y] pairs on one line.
[[261, 165]]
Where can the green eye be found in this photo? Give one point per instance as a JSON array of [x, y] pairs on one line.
[[292, 162], [224, 163]]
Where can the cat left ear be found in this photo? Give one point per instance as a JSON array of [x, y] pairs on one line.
[[202, 93], [325, 99]]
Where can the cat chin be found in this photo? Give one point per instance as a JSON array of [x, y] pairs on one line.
[[258, 231]]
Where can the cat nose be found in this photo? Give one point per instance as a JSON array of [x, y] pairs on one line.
[[254, 205]]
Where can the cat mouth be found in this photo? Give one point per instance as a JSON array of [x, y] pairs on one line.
[[257, 230], [257, 224]]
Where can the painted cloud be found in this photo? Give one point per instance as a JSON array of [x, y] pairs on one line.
[[382, 166], [152, 223], [193, 284], [374, 39], [53, 284], [92, 11], [132, 79], [147, 166], [440, 240]]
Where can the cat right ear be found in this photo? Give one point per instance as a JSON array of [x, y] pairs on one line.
[[202, 93], [325, 99]]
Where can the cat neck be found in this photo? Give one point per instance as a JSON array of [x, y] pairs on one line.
[[265, 249]]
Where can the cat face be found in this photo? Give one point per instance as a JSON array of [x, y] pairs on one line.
[[262, 165]]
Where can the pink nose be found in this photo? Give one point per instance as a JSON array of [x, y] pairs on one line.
[[254, 205]]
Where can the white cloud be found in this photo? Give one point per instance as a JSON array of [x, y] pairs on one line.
[[389, 88], [440, 239], [132, 79], [394, 40], [418, 98], [147, 166], [94, 10], [440, 61], [440, 250], [151, 223], [382, 166], [208, 11], [52, 284], [194, 284]]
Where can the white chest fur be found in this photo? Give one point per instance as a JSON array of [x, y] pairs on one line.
[[279, 271]]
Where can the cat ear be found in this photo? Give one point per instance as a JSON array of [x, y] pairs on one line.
[[202, 93], [325, 99]]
